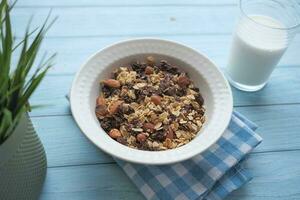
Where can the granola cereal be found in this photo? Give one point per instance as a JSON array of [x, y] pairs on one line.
[[150, 106]]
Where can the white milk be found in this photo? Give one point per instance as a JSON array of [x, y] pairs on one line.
[[256, 50]]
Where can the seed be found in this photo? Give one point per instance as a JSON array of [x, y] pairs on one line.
[[156, 99], [150, 60], [149, 70], [113, 108], [114, 133], [183, 81], [112, 83], [101, 101], [141, 137]]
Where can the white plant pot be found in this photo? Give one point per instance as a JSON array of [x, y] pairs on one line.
[[23, 163]]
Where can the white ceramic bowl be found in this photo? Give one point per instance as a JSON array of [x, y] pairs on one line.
[[213, 87]]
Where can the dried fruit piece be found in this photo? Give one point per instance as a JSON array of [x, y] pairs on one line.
[[114, 133], [156, 99], [149, 70], [183, 81], [113, 108], [112, 83], [141, 137]]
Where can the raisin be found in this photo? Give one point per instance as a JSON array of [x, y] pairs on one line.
[[109, 123], [199, 99], [107, 91], [122, 141], [181, 92], [187, 107], [172, 117], [171, 91], [159, 135], [195, 89], [139, 68]]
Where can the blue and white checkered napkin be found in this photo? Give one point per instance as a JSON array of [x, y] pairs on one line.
[[211, 175]]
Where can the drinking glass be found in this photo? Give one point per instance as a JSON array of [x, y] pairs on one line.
[[264, 31]]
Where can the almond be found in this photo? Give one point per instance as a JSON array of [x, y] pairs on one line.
[[149, 70], [156, 99], [114, 106], [183, 81], [101, 101], [141, 137], [112, 83], [114, 133], [150, 60]]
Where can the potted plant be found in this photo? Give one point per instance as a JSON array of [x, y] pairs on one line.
[[22, 157]]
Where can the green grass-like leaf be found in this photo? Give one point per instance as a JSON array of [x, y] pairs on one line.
[[16, 85]]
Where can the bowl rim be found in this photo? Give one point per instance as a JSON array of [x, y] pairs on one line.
[[162, 162]]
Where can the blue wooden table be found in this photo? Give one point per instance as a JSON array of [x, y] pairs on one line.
[[77, 169]]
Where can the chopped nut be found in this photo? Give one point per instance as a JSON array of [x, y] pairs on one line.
[[114, 133], [182, 121], [155, 144], [157, 125], [139, 85], [168, 143], [141, 137], [137, 129], [148, 126], [190, 117], [112, 83]]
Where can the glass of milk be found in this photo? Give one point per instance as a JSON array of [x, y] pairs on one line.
[[265, 29]]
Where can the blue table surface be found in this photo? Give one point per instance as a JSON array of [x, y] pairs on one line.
[[77, 169]]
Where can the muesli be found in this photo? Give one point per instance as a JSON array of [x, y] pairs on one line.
[[150, 106]]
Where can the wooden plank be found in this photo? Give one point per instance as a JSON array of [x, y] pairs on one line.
[[68, 3], [278, 125], [276, 176], [129, 21], [66, 145], [280, 90], [72, 52], [271, 182], [88, 182]]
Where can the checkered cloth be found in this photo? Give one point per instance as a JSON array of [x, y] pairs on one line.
[[211, 175]]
